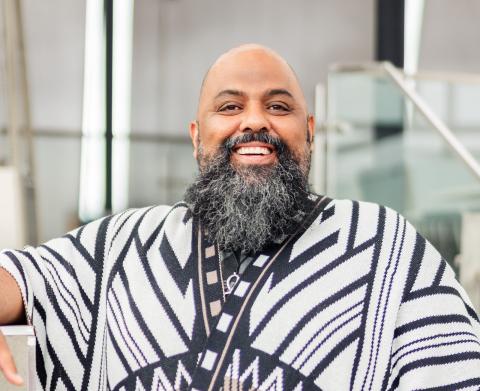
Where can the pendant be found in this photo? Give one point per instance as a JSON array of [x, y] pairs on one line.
[[231, 282]]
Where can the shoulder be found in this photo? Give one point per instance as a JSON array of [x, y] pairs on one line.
[[148, 220], [361, 221], [367, 211], [361, 212]]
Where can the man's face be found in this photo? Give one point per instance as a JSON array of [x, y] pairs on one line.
[[252, 139], [252, 91]]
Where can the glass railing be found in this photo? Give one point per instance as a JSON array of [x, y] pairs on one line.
[[160, 169], [385, 147], [454, 98]]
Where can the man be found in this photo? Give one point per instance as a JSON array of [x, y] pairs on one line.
[[252, 282]]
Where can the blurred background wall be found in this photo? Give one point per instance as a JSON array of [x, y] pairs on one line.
[[449, 36], [174, 42]]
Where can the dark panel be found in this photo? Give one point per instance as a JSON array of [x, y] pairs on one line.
[[390, 20], [389, 44]]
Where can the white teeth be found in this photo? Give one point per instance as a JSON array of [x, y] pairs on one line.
[[253, 151]]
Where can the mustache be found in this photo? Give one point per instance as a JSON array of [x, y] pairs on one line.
[[230, 143]]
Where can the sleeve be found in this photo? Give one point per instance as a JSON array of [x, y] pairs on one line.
[[436, 343], [61, 282]]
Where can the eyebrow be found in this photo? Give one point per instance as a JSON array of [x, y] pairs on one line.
[[269, 93], [229, 92], [278, 91]]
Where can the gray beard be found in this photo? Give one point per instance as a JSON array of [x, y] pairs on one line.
[[246, 208]]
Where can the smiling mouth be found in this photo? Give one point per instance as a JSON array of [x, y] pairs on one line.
[[254, 150]]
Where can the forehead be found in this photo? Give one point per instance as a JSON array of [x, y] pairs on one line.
[[251, 72]]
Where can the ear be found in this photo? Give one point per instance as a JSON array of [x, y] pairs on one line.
[[311, 129], [194, 137]]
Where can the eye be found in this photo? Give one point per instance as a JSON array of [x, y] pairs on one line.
[[230, 108], [278, 108]]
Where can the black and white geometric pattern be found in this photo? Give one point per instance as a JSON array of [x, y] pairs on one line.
[[356, 300]]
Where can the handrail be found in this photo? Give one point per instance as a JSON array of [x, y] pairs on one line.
[[448, 77], [440, 76], [398, 78]]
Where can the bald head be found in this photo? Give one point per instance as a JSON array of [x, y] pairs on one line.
[[250, 57]]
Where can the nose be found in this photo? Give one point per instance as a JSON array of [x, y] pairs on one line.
[[255, 120]]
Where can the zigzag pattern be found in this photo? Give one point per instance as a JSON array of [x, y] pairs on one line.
[[357, 301]]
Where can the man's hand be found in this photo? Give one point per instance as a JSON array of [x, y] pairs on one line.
[[7, 365], [11, 312]]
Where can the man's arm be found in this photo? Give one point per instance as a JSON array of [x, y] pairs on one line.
[[11, 311], [11, 303]]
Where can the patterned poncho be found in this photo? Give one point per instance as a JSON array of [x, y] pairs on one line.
[[355, 300]]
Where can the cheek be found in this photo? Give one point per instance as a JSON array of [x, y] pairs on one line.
[[219, 129], [293, 134]]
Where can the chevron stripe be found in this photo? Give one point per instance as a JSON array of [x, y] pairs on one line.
[[297, 304]]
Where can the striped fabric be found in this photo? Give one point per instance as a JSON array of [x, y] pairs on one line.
[[355, 300]]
